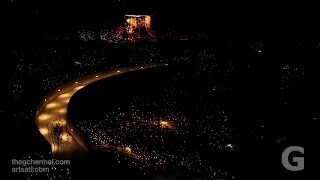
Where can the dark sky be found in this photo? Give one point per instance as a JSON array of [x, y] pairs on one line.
[[202, 14], [79, 9]]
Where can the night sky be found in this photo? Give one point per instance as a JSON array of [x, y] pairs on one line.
[[228, 17]]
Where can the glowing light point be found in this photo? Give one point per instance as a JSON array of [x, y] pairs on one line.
[[165, 124], [127, 150], [230, 146]]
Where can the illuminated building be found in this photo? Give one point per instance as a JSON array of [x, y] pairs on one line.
[[134, 22]]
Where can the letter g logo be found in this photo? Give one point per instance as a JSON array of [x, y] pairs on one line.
[[298, 160]]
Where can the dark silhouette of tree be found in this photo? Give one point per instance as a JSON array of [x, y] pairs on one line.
[[143, 32], [56, 131], [125, 34]]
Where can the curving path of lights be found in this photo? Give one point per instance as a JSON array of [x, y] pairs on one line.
[[53, 111]]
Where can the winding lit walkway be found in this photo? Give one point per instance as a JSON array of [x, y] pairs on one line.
[[53, 110]]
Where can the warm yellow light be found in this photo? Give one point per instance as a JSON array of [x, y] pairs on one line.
[[62, 110], [165, 124], [54, 148], [51, 105], [97, 76], [64, 95], [43, 117], [43, 131], [65, 137], [79, 87], [59, 90], [62, 122], [65, 100], [127, 150], [118, 71]]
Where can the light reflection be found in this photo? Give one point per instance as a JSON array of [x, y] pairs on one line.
[[54, 148], [78, 88], [65, 100], [43, 117], [62, 110], [51, 105], [43, 131], [65, 137], [64, 95]]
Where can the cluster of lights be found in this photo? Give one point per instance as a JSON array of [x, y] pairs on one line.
[[51, 82], [256, 45], [140, 137], [291, 78]]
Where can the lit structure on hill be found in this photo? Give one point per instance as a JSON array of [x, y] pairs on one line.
[[137, 22]]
